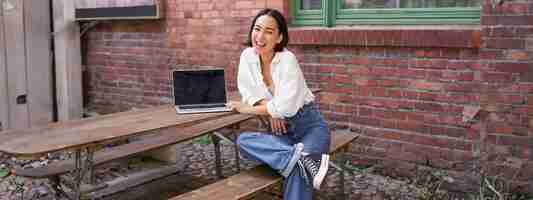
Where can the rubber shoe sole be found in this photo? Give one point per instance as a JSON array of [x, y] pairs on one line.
[[322, 171]]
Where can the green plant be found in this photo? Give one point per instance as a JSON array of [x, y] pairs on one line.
[[521, 196], [4, 172], [429, 182], [493, 187], [363, 169], [203, 140], [18, 186]]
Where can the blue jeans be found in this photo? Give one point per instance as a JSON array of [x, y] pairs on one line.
[[307, 127]]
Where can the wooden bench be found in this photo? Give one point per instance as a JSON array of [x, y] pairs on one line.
[[247, 183], [166, 138]]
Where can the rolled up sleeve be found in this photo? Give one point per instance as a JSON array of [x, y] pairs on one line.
[[246, 83]]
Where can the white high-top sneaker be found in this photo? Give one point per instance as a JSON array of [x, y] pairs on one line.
[[316, 170]]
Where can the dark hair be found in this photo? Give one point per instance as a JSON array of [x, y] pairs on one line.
[[282, 27]]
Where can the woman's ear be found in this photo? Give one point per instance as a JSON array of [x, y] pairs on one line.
[[280, 38]]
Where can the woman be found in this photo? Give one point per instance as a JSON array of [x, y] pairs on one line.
[[272, 85]]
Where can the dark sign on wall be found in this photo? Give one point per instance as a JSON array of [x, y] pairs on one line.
[[113, 10]]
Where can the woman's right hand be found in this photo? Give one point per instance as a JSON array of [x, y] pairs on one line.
[[240, 107], [278, 126]]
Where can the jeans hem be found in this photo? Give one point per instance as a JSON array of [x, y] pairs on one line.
[[294, 159]]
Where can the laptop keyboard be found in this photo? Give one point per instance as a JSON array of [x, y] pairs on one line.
[[215, 105]]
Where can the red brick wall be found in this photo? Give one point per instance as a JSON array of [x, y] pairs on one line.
[[126, 66], [404, 90], [506, 61], [128, 62], [406, 101]]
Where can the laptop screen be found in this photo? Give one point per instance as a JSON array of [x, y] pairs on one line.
[[199, 87]]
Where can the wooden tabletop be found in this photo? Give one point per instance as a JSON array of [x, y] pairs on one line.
[[91, 131]]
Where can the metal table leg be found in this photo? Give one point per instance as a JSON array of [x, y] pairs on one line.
[[341, 157], [82, 166], [77, 174], [341, 179], [217, 137], [218, 159], [236, 147]]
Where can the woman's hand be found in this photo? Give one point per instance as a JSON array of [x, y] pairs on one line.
[[278, 126], [240, 107]]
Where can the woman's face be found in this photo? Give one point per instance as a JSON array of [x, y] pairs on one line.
[[265, 35]]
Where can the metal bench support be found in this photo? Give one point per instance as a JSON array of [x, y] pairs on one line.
[[218, 159], [216, 137], [236, 147], [342, 193]]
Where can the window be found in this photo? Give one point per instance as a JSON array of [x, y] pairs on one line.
[[348, 12]]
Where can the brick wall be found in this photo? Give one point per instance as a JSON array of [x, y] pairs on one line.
[[406, 101], [403, 89], [506, 61], [126, 66], [128, 62]]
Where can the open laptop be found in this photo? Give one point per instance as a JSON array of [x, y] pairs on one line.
[[199, 91]]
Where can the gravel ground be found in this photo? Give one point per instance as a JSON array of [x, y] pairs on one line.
[[199, 169]]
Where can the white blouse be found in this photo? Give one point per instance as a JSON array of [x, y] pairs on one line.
[[290, 90]]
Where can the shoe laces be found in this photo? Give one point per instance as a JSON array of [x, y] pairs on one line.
[[310, 165], [304, 173]]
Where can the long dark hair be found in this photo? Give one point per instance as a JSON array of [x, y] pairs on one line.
[[282, 27]]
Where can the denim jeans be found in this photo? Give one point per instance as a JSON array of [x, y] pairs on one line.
[[307, 127]]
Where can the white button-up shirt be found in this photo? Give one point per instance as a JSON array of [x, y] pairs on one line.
[[290, 90]]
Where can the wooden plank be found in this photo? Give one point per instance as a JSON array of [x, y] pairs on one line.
[[340, 139], [16, 63], [168, 154], [249, 182], [67, 61], [235, 187], [38, 59], [4, 105], [139, 178], [165, 138], [146, 116], [92, 132]]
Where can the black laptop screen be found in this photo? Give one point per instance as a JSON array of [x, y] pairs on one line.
[[199, 87]]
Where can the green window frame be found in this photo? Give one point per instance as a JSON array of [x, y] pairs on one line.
[[332, 13]]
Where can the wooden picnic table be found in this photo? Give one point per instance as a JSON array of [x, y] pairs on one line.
[[86, 135]]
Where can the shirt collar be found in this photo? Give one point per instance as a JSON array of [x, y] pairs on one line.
[[275, 60]]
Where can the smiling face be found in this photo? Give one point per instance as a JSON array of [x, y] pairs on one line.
[[265, 35]]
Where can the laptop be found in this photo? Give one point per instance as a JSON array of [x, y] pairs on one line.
[[199, 91]]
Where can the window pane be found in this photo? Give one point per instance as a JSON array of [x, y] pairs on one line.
[[362, 4], [311, 4], [439, 3]]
